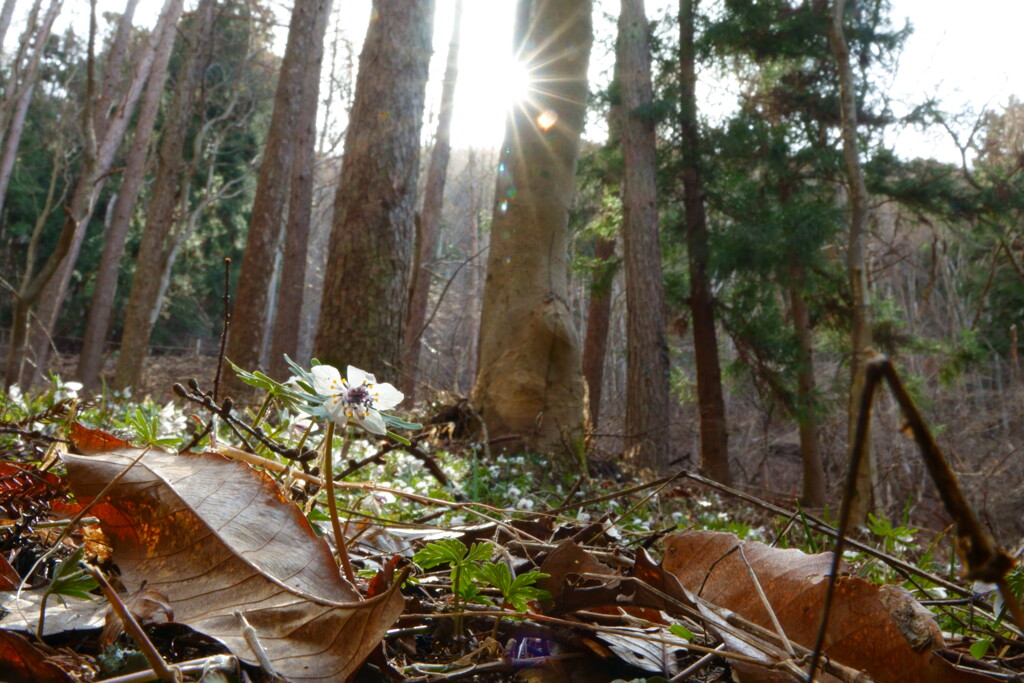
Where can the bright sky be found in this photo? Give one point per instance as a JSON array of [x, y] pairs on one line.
[[968, 58]]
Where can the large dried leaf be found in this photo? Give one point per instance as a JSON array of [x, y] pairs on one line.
[[216, 537], [880, 630], [21, 662]]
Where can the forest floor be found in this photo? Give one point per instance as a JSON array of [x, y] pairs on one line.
[[465, 565]]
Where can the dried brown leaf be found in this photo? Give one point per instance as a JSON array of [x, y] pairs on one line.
[[21, 662], [863, 632], [215, 537]]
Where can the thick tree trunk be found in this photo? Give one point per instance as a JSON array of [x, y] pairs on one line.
[[165, 206], [714, 451], [862, 501], [90, 361], [530, 379], [291, 292], [251, 315], [810, 448], [599, 315], [430, 217], [366, 286], [647, 361]]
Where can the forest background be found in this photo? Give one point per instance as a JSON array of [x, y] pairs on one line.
[[137, 151]]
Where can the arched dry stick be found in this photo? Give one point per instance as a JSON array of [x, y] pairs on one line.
[[984, 560]]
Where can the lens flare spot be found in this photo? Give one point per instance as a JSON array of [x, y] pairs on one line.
[[511, 194], [504, 206], [546, 119]]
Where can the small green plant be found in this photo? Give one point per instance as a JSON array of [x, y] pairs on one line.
[[516, 591], [463, 561], [69, 580]]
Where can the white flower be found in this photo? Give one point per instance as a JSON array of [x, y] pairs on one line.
[[357, 397]]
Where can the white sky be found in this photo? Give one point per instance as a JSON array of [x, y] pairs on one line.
[[967, 57]]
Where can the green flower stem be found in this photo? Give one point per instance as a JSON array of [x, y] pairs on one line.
[[456, 604], [332, 503], [264, 408], [497, 620]]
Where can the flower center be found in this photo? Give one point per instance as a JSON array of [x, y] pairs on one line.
[[359, 396]]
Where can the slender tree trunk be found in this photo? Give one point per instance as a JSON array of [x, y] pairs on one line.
[[714, 449], [862, 501], [105, 129], [5, 18], [291, 292], [18, 94], [810, 448], [166, 205], [599, 315], [362, 318], [647, 361], [97, 328], [430, 216], [250, 317], [530, 381]]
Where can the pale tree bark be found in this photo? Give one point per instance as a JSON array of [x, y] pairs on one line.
[[599, 315], [647, 362], [813, 494], [862, 500], [530, 377], [250, 315], [165, 209], [291, 291], [105, 129], [18, 92], [714, 450], [90, 360], [5, 18], [430, 217], [362, 318]]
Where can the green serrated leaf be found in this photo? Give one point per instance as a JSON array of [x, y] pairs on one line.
[[447, 550], [480, 552]]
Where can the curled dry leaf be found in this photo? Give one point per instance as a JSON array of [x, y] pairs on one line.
[[883, 632], [215, 536]]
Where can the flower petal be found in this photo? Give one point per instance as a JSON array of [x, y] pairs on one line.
[[336, 410], [372, 422], [386, 396], [357, 377], [326, 379]]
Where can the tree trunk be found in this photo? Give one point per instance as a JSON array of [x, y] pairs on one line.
[[366, 286], [90, 361], [714, 451], [18, 93], [530, 378], [166, 205], [106, 128], [5, 18], [810, 448], [291, 292], [430, 217], [599, 315], [250, 316], [862, 501], [647, 361]]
